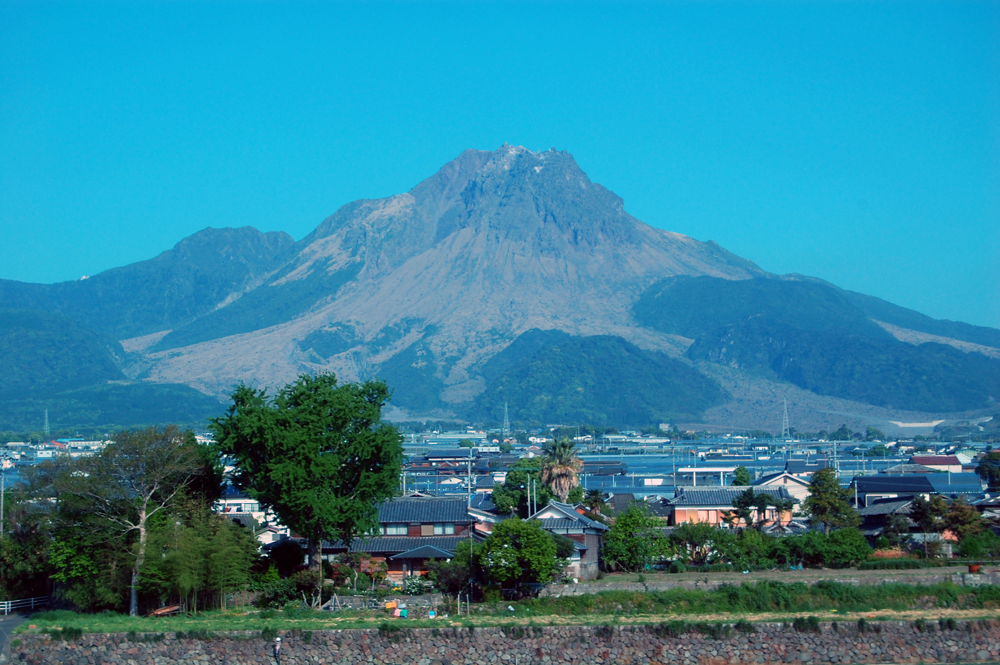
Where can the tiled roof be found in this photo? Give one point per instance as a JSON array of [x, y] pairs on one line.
[[918, 484], [619, 503], [390, 545], [720, 496], [424, 510], [935, 460], [887, 507], [483, 502], [780, 474], [424, 552], [570, 515]]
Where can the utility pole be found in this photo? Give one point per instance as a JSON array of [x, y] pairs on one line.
[[784, 422], [505, 432]]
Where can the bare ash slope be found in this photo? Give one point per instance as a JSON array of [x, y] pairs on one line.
[[494, 244]]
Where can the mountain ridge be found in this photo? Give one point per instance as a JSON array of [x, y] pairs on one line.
[[426, 287]]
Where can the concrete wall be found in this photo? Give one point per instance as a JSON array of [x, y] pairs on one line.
[[894, 642]]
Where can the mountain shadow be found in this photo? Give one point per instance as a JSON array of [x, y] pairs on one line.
[[814, 336], [548, 376]]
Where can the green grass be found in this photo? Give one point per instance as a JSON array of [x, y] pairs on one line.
[[764, 598]]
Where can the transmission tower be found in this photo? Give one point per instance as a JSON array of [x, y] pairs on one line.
[[46, 423], [505, 432], [784, 422]]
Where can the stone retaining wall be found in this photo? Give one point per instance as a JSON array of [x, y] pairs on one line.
[[770, 644], [961, 579]]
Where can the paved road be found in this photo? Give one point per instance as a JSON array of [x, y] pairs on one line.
[[7, 625]]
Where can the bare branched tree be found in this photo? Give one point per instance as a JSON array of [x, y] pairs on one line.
[[136, 476]]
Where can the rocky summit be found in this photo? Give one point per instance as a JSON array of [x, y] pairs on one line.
[[509, 277]]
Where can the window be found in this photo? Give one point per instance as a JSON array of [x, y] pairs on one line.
[[446, 528], [394, 529]]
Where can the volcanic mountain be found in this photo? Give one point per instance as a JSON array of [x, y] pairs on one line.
[[509, 277]]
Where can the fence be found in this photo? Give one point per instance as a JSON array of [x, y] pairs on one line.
[[9, 606]]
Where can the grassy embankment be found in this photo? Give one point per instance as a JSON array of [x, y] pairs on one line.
[[765, 601]]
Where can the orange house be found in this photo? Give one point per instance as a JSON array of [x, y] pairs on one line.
[[709, 505]]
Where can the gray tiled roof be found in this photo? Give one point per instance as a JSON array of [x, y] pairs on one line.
[[886, 507], [424, 510], [571, 514], [721, 496], [390, 545]]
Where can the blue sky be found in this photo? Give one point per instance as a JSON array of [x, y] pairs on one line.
[[856, 142]]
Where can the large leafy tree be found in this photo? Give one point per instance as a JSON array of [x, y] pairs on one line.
[[136, 478], [318, 454], [829, 503], [560, 467], [519, 551], [634, 541]]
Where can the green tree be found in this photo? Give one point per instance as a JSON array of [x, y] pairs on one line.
[[874, 434], [963, 520], [594, 501], [560, 467], [519, 551], [135, 478], [701, 543], [466, 443], [930, 516], [742, 476], [828, 502], [318, 454], [634, 541], [575, 495], [455, 575], [896, 527], [512, 497], [989, 470]]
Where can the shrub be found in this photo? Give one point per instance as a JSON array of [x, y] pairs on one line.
[[672, 629], [392, 632], [985, 545], [745, 627], [414, 585], [267, 633], [676, 567], [809, 624], [714, 631], [278, 593]]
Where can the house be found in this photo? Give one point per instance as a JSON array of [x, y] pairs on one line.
[[938, 462], [873, 488], [797, 485], [411, 531], [709, 505], [804, 468], [586, 534], [875, 515], [237, 507]]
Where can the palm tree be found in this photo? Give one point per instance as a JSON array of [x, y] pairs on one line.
[[594, 501], [560, 466]]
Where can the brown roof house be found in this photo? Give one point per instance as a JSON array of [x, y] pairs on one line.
[[412, 530]]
